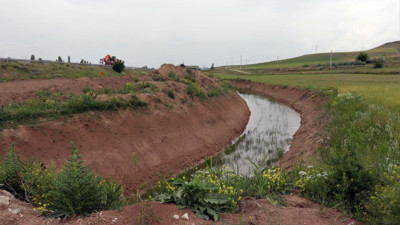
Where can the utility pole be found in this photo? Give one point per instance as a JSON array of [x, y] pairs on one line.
[[246, 63], [331, 60], [240, 62], [316, 49], [277, 62]]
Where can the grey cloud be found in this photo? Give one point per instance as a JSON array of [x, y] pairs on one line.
[[151, 32]]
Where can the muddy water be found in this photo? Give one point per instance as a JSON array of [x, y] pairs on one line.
[[267, 136]]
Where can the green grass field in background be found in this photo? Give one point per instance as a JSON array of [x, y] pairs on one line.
[[378, 86], [389, 51], [378, 89]]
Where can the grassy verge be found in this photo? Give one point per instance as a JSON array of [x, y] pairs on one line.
[[53, 105], [10, 71], [359, 168], [377, 89]]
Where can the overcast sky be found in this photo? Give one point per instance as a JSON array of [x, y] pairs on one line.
[[199, 32]]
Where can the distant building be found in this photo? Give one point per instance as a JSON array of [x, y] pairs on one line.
[[193, 67]]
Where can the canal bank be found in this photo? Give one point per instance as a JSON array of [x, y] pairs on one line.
[[309, 104]]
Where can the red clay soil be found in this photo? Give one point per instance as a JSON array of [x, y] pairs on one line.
[[298, 211], [161, 142], [22, 90], [134, 146], [310, 107]]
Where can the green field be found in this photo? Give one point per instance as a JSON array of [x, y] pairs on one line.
[[378, 86], [378, 89], [389, 51], [301, 61]]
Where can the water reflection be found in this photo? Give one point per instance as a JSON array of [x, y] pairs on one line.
[[267, 136]]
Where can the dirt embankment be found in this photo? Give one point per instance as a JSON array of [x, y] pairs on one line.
[[310, 107], [137, 146], [22, 90], [134, 146]]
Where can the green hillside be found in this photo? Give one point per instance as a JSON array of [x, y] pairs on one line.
[[389, 50]]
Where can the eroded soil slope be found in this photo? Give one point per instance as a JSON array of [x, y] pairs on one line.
[[134, 146], [137, 147]]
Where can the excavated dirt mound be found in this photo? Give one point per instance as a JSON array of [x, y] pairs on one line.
[[22, 90], [134, 146], [310, 107]]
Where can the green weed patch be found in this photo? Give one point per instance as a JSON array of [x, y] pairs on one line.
[[75, 190], [52, 105], [215, 190], [359, 167]]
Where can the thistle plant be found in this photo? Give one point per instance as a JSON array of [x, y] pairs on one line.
[[11, 179], [77, 191]]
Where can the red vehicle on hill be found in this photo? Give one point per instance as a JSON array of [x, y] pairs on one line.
[[108, 60]]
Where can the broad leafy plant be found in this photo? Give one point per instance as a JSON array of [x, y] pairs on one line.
[[198, 195]]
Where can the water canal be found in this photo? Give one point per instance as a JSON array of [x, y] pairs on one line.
[[267, 136]]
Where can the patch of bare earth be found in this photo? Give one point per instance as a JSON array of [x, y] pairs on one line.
[[297, 211]]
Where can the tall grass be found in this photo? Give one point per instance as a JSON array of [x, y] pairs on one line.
[[376, 89], [359, 166]]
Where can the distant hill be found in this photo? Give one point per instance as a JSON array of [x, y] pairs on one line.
[[389, 50]]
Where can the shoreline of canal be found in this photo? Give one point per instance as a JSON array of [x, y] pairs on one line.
[[309, 104]]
